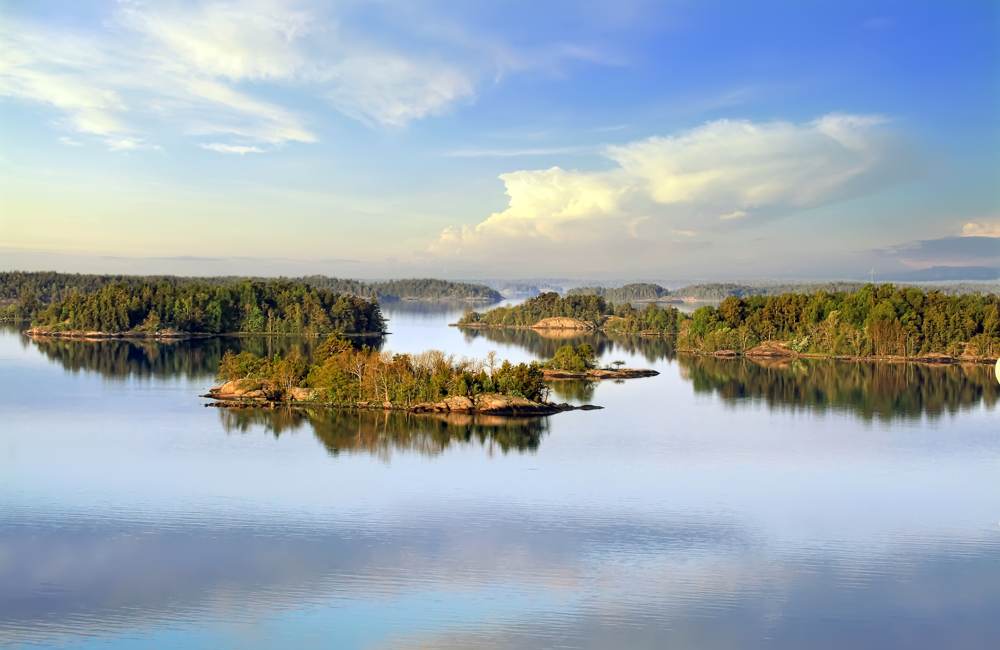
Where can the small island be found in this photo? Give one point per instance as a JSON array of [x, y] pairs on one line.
[[342, 376], [580, 362]]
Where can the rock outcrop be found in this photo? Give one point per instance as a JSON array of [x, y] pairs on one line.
[[598, 373], [562, 323]]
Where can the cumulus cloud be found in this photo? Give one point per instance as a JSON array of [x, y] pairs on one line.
[[711, 176]]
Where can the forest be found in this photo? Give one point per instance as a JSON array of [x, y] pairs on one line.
[[24, 294], [342, 375], [877, 320], [874, 321], [273, 307]]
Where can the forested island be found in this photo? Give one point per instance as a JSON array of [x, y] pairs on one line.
[[717, 291], [176, 310], [345, 377], [23, 295], [876, 321]]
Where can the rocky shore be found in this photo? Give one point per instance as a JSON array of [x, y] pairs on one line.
[[96, 335], [239, 394], [777, 350], [599, 373]]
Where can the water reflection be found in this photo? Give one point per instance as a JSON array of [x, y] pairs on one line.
[[880, 391], [195, 358], [380, 433], [544, 344]]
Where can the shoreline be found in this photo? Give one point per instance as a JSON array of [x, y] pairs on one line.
[[596, 374], [930, 359], [229, 395], [172, 335]]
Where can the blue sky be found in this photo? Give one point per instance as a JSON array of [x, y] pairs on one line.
[[666, 140]]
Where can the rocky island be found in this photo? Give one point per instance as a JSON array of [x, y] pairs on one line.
[[342, 376]]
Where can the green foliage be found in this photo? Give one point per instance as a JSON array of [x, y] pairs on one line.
[[576, 358], [877, 320], [589, 308], [274, 307], [346, 376], [628, 293], [24, 294]]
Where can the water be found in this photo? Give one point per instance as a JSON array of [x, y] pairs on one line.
[[722, 504]]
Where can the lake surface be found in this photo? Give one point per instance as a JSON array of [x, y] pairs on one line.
[[722, 504]]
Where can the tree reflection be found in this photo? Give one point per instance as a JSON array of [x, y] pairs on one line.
[[192, 358], [543, 344], [870, 390], [379, 433]]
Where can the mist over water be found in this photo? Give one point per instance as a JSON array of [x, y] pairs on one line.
[[723, 503]]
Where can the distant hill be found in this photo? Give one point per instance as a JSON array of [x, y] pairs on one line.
[[628, 293]]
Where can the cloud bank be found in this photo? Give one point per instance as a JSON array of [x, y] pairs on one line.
[[690, 186]]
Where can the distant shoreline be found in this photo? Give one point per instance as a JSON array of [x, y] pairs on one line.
[[171, 335]]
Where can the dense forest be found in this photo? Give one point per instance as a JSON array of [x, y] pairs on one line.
[[24, 294], [345, 376], [877, 320], [274, 307]]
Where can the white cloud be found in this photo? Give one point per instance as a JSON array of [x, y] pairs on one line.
[[240, 149], [207, 68], [675, 187], [981, 229]]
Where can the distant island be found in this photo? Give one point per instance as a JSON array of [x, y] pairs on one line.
[[874, 322], [23, 295], [342, 376], [169, 310], [717, 291]]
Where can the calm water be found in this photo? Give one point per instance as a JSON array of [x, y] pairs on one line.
[[722, 504]]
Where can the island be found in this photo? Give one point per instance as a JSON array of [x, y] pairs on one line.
[[24, 295], [343, 376], [580, 362], [170, 311], [874, 322]]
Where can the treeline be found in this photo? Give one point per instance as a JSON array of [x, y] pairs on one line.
[[344, 376], [273, 307], [877, 320], [410, 289], [24, 294], [588, 308], [600, 313], [717, 291], [628, 293]]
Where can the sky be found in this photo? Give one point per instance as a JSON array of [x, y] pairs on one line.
[[673, 141]]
